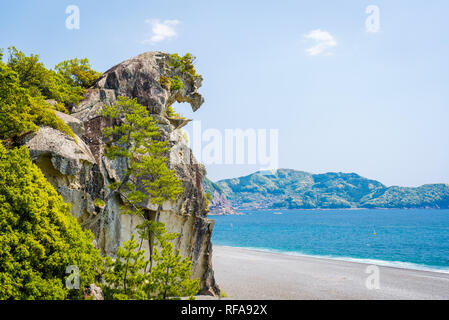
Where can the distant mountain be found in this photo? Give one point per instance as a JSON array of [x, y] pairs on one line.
[[291, 189]]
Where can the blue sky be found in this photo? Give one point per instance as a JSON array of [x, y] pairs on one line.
[[375, 103]]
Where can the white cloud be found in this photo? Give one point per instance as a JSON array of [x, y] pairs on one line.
[[161, 30], [323, 42]]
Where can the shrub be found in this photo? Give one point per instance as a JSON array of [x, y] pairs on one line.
[[41, 81], [184, 64], [165, 82], [39, 238], [77, 72], [20, 111], [25, 84], [176, 83], [128, 277]]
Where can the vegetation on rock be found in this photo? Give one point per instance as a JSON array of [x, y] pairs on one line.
[[20, 112], [77, 72], [171, 113], [39, 237], [179, 65], [128, 277], [136, 138], [183, 64], [25, 84]]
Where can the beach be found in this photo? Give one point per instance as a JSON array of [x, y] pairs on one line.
[[251, 274]]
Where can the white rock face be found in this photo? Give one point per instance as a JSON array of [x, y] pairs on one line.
[[81, 174]]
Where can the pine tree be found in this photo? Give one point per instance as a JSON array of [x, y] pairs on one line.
[[137, 139], [170, 278], [124, 277], [127, 277]]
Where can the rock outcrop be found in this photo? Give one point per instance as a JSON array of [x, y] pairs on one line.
[[81, 173], [219, 203]]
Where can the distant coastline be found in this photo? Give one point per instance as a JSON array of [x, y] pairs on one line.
[[243, 211], [292, 189]]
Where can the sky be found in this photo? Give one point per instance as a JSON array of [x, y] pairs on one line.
[[350, 86]]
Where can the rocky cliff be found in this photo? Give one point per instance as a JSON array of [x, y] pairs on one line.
[[81, 173], [219, 203]]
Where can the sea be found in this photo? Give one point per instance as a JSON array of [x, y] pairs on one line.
[[403, 238]]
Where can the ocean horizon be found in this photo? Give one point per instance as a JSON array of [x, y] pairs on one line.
[[416, 239]]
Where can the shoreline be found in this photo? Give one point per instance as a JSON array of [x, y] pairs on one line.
[[366, 261], [244, 273], [322, 209]]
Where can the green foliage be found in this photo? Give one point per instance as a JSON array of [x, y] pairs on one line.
[[25, 84], [170, 278], [176, 83], [180, 65], [20, 111], [210, 187], [173, 83], [77, 72], [172, 113], [155, 229], [207, 200], [41, 81], [136, 139], [165, 82], [99, 203], [184, 64], [208, 196], [127, 278], [39, 238], [124, 277], [59, 107]]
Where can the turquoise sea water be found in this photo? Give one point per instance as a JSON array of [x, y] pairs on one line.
[[414, 238]]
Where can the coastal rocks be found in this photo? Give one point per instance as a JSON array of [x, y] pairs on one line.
[[219, 203], [81, 173]]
